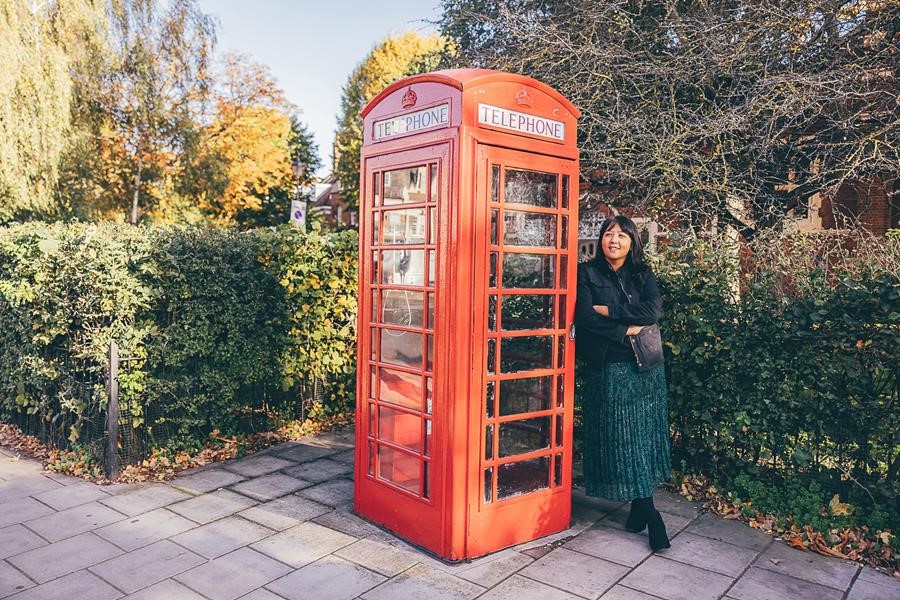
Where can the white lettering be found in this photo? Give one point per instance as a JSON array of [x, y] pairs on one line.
[[428, 118], [521, 122]]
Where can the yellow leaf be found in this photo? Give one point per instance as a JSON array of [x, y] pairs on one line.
[[839, 508]]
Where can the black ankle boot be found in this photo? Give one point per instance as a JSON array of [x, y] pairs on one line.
[[640, 512], [659, 539]]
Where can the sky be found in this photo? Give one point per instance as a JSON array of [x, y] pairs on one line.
[[311, 46]]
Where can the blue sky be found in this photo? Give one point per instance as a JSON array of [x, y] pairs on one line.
[[311, 46]]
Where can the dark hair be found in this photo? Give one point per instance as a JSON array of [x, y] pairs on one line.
[[636, 255]]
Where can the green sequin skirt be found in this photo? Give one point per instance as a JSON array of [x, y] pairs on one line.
[[626, 432]]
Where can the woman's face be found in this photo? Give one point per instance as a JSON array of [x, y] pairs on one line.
[[616, 244]]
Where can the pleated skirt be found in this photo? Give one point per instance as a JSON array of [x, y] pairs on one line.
[[626, 432]]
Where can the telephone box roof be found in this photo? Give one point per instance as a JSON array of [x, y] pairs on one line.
[[463, 79]]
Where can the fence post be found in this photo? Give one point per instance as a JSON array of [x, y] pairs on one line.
[[112, 413]]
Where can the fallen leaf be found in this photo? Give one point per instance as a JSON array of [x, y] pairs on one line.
[[775, 561], [839, 508]]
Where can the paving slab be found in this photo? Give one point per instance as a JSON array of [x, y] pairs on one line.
[[337, 493], [574, 572], [71, 495], [261, 594], [73, 521], [144, 499], [582, 513], [211, 507], [812, 567], [866, 590], [317, 471], [13, 467], [21, 510], [166, 590], [710, 554], [221, 537], [207, 480], [620, 592], [79, 585], [759, 583], [870, 574], [233, 575], [422, 581], [257, 465], [517, 587], [143, 530], [733, 532], [347, 457], [616, 545], [674, 504], [379, 556], [601, 504], [337, 438], [286, 512], [269, 487], [148, 565], [12, 581], [303, 544], [61, 558], [347, 522], [299, 452], [676, 581], [329, 578], [26, 486], [674, 523], [491, 573], [16, 539]]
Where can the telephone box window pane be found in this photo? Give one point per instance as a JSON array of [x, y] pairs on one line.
[[373, 383], [372, 425], [428, 394], [399, 428], [492, 356], [429, 324], [371, 458], [558, 435], [489, 442], [560, 391], [521, 437], [375, 267], [401, 348], [403, 267], [373, 342], [492, 280], [565, 191], [432, 225], [403, 226], [557, 470], [376, 232], [377, 188], [527, 312], [374, 317], [492, 313], [404, 389], [564, 235], [525, 395], [429, 357], [515, 479], [528, 270], [489, 400], [529, 229], [488, 476], [428, 443], [426, 481], [431, 267], [405, 186], [523, 353], [402, 307], [495, 226], [530, 187], [434, 182], [399, 468], [495, 183], [561, 352], [563, 272], [562, 313]]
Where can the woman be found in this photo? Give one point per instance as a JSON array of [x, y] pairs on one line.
[[626, 441]]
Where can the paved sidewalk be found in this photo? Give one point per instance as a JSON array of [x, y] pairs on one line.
[[278, 524]]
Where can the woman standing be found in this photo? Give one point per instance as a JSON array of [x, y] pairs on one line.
[[626, 439]]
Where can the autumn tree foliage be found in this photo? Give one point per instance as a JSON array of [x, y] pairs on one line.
[[394, 58]]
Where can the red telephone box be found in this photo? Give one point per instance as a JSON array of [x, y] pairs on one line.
[[468, 252]]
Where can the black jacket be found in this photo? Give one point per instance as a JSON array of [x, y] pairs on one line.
[[633, 299]]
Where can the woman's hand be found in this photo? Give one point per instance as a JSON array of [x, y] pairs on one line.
[[633, 330], [602, 309]]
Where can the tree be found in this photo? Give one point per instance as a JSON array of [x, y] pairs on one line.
[[734, 112], [392, 59]]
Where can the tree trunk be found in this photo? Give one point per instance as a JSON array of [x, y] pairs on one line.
[[137, 190]]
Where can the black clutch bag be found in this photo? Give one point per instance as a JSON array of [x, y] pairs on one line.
[[647, 346]]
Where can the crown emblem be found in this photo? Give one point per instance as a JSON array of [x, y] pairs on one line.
[[409, 98], [523, 97]]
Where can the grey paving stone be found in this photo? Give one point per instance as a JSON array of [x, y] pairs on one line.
[[14, 467], [329, 578], [144, 499], [166, 590], [733, 532], [422, 581], [346, 522], [347, 457], [211, 507], [12, 581], [621, 592], [710, 554], [582, 513], [303, 544], [222, 536], [71, 495], [201, 482], [337, 493], [816, 568], [674, 523], [76, 586], [675, 504], [761, 583], [233, 575], [61, 558], [285, 513], [73, 521], [338, 438], [491, 573], [143, 530], [255, 466], [522, 588], [866, 590], [676, 581], [870, 574], [21, 510], [615, 545], [379, 556], [575, 572], [320, 470], [269, 487], [299, 452], [261, 594], [600, 504], [16, 539], [114, 489], [148, 565]]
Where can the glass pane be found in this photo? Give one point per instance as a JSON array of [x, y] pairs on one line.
[[530, 187], [488, 476], [402, 307], [428, 395], [558, 435], [377, 188], [564, 234], [432, 271], [525, 395], [405, 186], [401, 348], [429, 324], [434, 182], [561, 352], [373, 342], [432, 227], [426, 481], [563, 272], [514, 479], [492, 313], [401, 388], [492, 280], [560, 391], [489, 400], [429, 357], [372, 427], [403, 267], [371, 458], [523, 353], [373, 383], [374, 317], [521, 437], [404, 226], [376, 232], [529, 229], [399, 428], [527, 312], [374, 270], [565, 191], [491, 355], [495, 183], [489, 442], [528, 270], [557, 470], [428, 442], [399, 468], [561, 324], [495, 226]]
